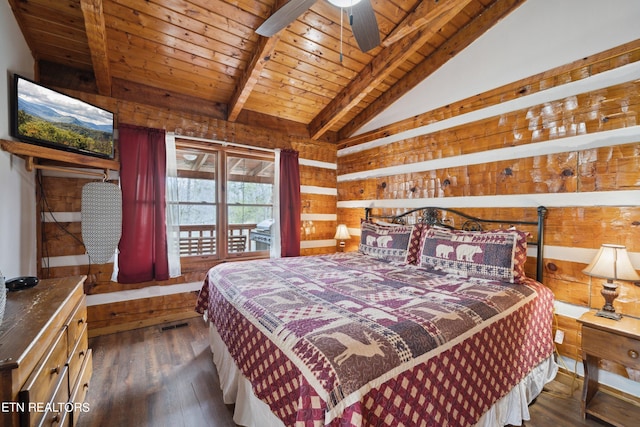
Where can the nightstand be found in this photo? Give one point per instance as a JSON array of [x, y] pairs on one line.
[[616, 341]]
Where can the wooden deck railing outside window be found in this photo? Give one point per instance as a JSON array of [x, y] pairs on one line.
[[201, 239]]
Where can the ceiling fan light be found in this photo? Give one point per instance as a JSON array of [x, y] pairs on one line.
[[344, 3]]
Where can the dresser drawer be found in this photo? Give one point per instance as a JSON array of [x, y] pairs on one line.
[[77, 323], [615, 348], [81, 387], [56, 413], [40, 385], [78, 354]]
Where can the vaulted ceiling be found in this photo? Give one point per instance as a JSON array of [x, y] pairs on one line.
[[205, 56]]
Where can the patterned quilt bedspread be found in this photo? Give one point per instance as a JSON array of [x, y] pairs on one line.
[[345, 339]]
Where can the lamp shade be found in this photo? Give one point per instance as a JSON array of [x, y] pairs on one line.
[[612, 263], [342, 233]]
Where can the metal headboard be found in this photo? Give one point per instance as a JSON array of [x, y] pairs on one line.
[[432, 215]]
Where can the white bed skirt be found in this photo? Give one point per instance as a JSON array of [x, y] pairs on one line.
[[253, 412]]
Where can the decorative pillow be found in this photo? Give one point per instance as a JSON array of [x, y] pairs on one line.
[[395, 243], [495, 255]]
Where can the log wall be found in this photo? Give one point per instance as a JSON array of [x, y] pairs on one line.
[[568, 139]]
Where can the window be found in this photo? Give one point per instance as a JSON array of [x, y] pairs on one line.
[[225, 199]]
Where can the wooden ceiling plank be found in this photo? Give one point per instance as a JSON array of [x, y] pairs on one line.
[[322, 56], [47, 42], [144, 94], [316, 65], [168, 79], [295, 103], [97, 37], [124, 42], [195, 24], [463, 38], [219, 15], [382, 65], [57, 6], [201, 71], [281, 72], [138, 24]]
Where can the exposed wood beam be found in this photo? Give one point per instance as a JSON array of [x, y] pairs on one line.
[[250, 76], [200, 161], [97, 36], [382, 66], [235, 164], [463, 38], [418, 18]]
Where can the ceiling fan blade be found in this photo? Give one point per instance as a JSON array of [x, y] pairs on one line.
[[284, 16], [365, 26]]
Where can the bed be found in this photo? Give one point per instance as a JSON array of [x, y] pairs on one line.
[[426, 324]]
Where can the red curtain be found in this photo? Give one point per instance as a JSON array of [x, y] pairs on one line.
[[290, 204], [143, 245]]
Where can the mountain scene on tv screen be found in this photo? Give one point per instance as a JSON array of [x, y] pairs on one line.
[[44, 123]]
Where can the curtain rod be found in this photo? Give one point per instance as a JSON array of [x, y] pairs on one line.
[[223, 143]]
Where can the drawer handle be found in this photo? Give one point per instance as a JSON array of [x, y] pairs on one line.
[[80, 322], [55, 419], [633, 354], [81, 354], [55, 370]]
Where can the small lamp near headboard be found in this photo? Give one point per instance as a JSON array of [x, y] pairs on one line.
[[612, 263], [342, 234]]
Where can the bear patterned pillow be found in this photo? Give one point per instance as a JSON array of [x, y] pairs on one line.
[[394, 243], [494, 255]]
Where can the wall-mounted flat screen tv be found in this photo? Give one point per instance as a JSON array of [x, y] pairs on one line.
[[52, 119]]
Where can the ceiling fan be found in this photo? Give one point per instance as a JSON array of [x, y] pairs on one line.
[[362, 19]]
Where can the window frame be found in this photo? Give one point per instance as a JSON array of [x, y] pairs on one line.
[[221, 232]]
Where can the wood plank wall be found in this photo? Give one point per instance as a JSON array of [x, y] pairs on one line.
[[568, 138], [62, 253]]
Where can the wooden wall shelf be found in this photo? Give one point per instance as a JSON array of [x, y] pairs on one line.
[[30, 152]]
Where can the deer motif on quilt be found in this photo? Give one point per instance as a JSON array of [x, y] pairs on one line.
[[353, 346]]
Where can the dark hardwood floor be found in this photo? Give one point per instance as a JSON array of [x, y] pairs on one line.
[[165, 377]]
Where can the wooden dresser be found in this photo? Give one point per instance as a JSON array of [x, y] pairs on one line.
[[45, 362]]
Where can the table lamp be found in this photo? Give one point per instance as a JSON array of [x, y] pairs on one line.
[[342, 234], [612, 263]]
